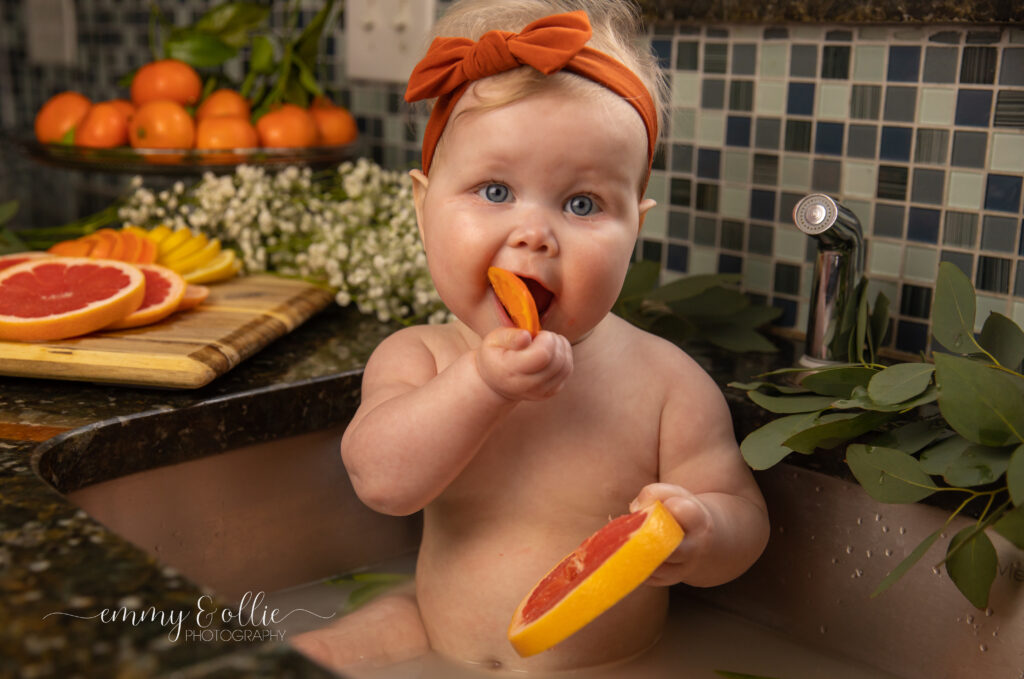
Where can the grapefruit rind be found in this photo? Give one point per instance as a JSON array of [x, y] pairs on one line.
[[147, 315], [622, 572], [81, 321], [516, 298]]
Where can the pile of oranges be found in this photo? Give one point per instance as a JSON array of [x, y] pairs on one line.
[[166, 112]]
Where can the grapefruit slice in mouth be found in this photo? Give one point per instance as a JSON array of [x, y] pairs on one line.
[[609, 565], [515, 296]]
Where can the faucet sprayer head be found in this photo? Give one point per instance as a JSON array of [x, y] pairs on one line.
[[826, 220]]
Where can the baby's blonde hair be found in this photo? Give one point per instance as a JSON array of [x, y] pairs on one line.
[[616, 30]]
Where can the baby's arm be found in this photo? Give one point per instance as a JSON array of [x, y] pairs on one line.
[[706, 485], [417, 429]]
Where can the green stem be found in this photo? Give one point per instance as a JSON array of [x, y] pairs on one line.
[[978, 527]]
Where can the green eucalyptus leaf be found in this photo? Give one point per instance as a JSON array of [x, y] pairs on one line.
[[982, 404], [880, 321], [1011, 526], [977, 465], [757, 315], [790, 404], [900, 382], [674, 328], [860, 399], [1004, 339], [262, 56], [911, 437], [780, 388], [8, 210], [831, 430], [838, 381], [953, 309], [691, 286], [862, 334], [937, 459], [737, 339], [308, 45], [1015, 476], [907, 563], [889, 475], [971, 563], [762, 448], [713, 302], [10, 242], [641, 278], [201, 50], [232, 16]]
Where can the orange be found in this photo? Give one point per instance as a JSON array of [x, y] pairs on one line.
[[226, 132], [76, 247], [335, 124], [164, 290], [516, 298], [58, 297], [224, 102], [104, 126], [162, 125], [125, 106], [167, 79], [609, 565], [288, 126], [59, 116]]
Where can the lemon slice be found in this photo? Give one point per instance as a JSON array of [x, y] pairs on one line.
[[223, 266]]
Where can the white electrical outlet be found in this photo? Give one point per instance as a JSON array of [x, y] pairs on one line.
[[52, 34], [385, 38]]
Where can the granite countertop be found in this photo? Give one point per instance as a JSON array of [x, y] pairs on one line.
[[835, 11], [56, 558]]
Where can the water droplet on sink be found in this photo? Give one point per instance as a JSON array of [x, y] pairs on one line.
[[857, 573], [860, 521], [849, 549], [903, 531], [835, 559], [817, 489], [822, 629], [982, 647], [878, 517], [989, 612], [935, 570], [782, 529], [885, 529], [888, 552], [970, 619]]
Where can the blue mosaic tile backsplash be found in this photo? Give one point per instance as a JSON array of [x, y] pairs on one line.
[[918, 129]]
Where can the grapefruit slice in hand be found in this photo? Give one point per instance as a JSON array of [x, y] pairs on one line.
[[164, 291], [59, 297], [609, 564], [516, 298]]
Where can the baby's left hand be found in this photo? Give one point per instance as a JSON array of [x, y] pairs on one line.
[[694, 518]]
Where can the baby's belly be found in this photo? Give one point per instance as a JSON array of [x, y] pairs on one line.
[[469, 582]]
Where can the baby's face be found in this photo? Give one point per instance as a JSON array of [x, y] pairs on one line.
[[545, 187]]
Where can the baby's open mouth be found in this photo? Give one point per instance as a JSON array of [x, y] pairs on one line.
[[541, 296]]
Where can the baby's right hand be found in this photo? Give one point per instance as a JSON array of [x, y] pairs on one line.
[[520, 368]]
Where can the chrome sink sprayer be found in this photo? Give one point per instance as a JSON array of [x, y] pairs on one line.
[[838, 270]]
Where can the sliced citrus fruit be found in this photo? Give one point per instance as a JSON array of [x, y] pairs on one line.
[[516, 298], [10, 260], [197, 259], [176, 238], [194, 296], [59, 297], [132, 246], [164, 290], [609, 564], [223, 266], [186, 249], [76, 247], [158, 234]]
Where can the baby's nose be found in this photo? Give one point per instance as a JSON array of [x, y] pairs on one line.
[[534, 233]]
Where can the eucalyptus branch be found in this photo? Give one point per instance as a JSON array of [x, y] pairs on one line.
[[978, 527]]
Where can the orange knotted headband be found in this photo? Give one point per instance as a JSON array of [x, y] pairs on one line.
[[551, 44]]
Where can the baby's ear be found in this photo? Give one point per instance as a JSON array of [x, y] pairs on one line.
[[645, 205], [419, 193]]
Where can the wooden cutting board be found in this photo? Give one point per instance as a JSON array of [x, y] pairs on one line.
[[184, 351]]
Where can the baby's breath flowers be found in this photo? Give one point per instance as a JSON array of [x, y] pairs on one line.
[[353, 229]]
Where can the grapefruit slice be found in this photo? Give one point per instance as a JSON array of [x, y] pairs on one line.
[[609, 564], [194, 296], [164, 290], [516, 298], [59, 297], [76, 247], [10, 260]]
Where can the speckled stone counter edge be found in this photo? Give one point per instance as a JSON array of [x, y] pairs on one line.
[[840, 11]]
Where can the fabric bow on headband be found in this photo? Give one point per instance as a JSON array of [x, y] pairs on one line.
[[551, 44]]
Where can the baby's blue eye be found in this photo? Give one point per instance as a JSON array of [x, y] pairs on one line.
[[581, 205], [496, 193]]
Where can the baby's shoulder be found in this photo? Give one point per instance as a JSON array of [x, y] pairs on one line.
[[419, 347]]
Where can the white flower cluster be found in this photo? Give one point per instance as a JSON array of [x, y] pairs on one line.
[[353, 229]]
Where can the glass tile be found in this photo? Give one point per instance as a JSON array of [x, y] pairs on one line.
[[962, 260], [803, 61], [708, 163], [983, 36], [865, 102], [790, 243], [767, 131], [787, 278], [839, 35], [999, 233], [716, 57], [860, 179], [923, 225], [717, 32], [737, 131], [796, 172], [771, 98], [651, 251], [1009, 109], [892, 182], [679, 192], [986, 305], [773, 60], [969, 148], [686, 88], [932, 146], [1007, 152], [800, 99], [993, 274], [798, 135], [704, 231], [937, 106], [862, 141], [744, 59], [965, 190], [835, 62], [973, 107], [834, 100], [712, 128], [961, 229], [939, 64], [663, 50], [829, 139], [978, 65], [900, 103], [707, 197], [1003, 193], [916, 301], [863, 210], [895, 143], [766, 169], [655, 224], [734, 201], [776, 33], [762, 205], [889, 220], [684, 121], [712, 94], [759, 240], [788, 319], [757, 274], [928, 186], [868, 62], [703, 260], [682, 158], [679, 224], [904, 63], [947, 37], [911, 337], [732, 235], [741, 95], [1018, 289], [788, 201], [826, 175], [658, 189], [1012, 70], [730, 264], [884, 258], [678, 258], [736, 167], [921, 264], [686, 55]]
